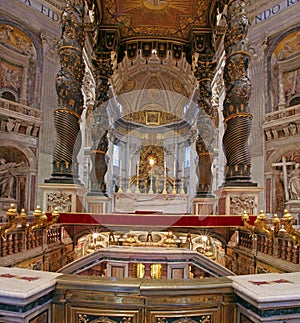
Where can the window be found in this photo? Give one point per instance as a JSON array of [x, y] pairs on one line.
[[187, 156], [8, 96], [116, 156]]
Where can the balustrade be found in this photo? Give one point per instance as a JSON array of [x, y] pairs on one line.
[[15, 239], [282, 244], [280, 114], [20, 108]]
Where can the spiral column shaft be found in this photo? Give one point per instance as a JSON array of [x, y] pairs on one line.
[[105, 43], [237, 116], [204, 72], [70, 100]]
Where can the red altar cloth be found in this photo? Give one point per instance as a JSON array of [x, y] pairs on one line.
[[143, 219]]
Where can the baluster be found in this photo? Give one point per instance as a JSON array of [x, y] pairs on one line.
[[295, 254], [15, 243], [23, 242], [4, 247], [279, 248], [29, 241], [270, 247], [32, 244], [10, 244], [249, 241], [266, 244], [289, 250], [260, 243], [283, 250]]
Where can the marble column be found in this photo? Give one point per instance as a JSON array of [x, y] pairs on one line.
[[237, 116], [70, 100]]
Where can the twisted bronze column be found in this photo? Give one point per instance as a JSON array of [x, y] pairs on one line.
[[105, 42], [237, 116], [204, 72], [70, 100]]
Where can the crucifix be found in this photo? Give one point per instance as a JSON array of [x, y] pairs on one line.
[[284, 165]]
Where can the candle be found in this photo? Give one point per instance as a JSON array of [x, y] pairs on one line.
[[182, 169], [137, 169], [165, 168], [174, 167], [120, 168], [129, 170]]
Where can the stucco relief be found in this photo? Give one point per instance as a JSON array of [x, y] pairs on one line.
[[287, 178], [285, 72], [13, 171], [17, 65]]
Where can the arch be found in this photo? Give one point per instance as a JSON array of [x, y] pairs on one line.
[[9, 94], [21, 62], [28, 153], [275, 156], [295, 100], [275, 48]]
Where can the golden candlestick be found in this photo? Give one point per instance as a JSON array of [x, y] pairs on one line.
[[165, 186], [129, 188], [120, 187], [137, 189], [182, 186], [174, 187], [151, 184]]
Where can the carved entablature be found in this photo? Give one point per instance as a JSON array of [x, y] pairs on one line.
[[284, 130], [18, 118]]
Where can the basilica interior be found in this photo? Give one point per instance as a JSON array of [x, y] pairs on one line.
[[149, 161]]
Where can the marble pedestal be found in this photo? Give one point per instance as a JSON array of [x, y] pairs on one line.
[[66, 197], [98, 204], [204, 205], [234, 200], [26, 295], [272, 298]]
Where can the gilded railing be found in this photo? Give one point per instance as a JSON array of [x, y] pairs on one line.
[[280, 240], [18, 234]]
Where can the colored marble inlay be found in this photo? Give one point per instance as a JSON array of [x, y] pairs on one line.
[[267, 282], [19, 277]]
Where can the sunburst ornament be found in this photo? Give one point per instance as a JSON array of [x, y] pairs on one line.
[[155, 12], [156, 4]]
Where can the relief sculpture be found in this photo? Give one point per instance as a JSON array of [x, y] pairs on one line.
[[8, 172]]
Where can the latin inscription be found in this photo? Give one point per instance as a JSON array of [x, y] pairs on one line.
[[272, 11], [44, 10]]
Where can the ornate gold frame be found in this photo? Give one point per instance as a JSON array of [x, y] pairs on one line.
[[152, 118]]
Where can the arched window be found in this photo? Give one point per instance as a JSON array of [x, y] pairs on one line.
[[8, 96], [295, 101]]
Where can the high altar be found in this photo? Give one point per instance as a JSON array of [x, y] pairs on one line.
[[154, 203], [151, 189]]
